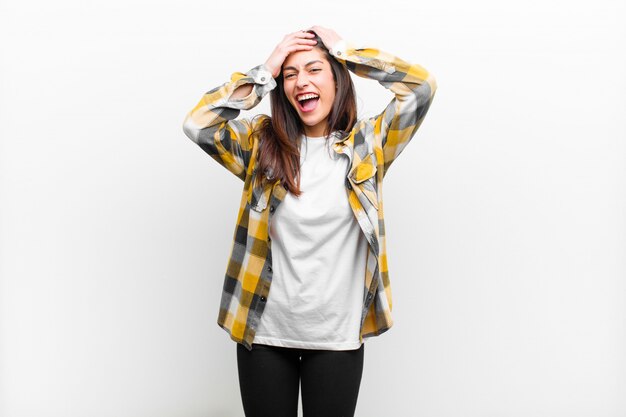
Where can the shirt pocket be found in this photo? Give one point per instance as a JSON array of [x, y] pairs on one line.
[[259, 196], [363, 178]]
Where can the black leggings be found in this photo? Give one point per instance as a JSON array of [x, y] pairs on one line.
[[269, 377]]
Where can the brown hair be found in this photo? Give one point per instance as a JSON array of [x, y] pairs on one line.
[[279, 154]]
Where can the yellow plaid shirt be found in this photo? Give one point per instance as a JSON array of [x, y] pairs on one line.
[[371, 146]]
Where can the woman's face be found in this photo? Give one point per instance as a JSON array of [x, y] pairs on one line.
[[310, 88]]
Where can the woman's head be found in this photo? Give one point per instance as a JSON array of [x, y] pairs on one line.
[[316, 91], [332, 109]]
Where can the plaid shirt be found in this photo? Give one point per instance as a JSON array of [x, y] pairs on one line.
[[371, 146]]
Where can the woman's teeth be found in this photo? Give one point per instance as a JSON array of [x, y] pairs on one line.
[[307, 96]]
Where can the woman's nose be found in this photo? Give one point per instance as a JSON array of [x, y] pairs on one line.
[[302, 80]]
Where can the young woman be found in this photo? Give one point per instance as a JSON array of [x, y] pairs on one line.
[[310, 223]]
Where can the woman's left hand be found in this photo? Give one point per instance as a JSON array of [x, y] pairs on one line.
[[328, 36]]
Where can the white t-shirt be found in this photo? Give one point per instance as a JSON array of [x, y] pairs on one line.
[[318, 259]]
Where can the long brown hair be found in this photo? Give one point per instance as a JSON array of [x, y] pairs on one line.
[[279, 154]]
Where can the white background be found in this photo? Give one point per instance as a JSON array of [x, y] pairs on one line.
[[505, 215]]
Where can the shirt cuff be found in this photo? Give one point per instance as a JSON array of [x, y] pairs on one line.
[[263, 79], [261, 75], [339, 48]]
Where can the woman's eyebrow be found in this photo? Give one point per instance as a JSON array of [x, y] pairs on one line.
[[306, 65]]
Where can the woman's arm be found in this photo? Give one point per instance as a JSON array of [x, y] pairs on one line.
[[211, 122], [413, 86]]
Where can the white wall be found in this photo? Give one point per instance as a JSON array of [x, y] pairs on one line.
[[508, 279]]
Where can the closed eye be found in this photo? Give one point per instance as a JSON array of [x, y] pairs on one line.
[[293, 74]]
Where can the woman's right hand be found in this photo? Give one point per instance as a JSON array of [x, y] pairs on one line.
[[297, 41]]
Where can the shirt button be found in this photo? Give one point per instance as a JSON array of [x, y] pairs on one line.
[[338, 52], [269, 268], [263, 299], [262, 78]]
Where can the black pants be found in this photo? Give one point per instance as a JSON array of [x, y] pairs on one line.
[[269, 377]]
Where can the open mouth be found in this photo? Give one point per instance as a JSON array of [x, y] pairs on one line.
[[307, 102]]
